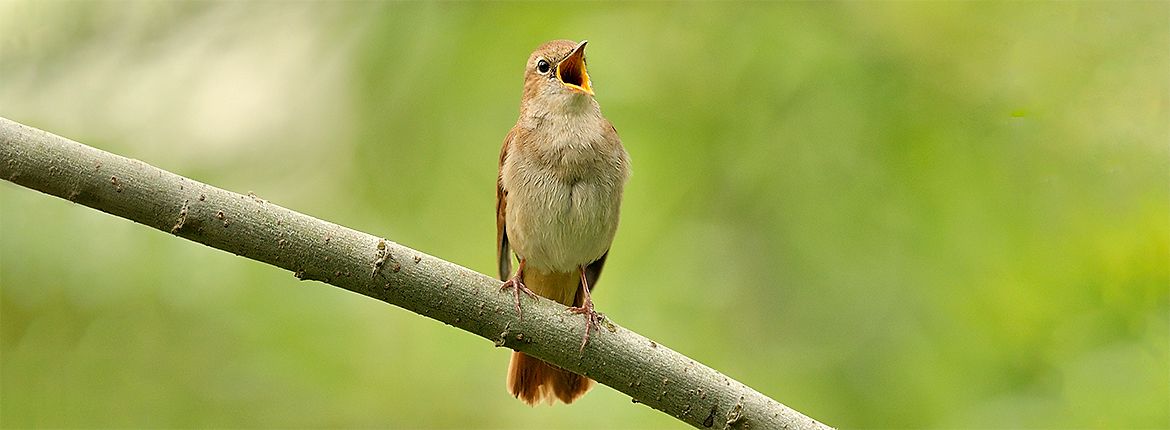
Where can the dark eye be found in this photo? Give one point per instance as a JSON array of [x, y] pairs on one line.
[[542, 66]]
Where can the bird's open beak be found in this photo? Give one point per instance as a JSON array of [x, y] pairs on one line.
[[571, 70]]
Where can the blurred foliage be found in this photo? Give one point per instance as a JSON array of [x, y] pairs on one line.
[[881, 214]]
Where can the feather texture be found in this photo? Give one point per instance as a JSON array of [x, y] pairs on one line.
[[562, 170]]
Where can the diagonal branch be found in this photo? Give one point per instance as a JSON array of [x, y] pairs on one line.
[[313, 249]]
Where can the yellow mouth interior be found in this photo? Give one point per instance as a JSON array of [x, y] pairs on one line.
[[572, 73]]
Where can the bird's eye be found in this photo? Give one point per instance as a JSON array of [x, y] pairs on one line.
[[542, 66]]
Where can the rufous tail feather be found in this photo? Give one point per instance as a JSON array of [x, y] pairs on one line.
[[534, 381]]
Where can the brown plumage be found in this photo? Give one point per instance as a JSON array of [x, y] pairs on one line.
[[562, 171]]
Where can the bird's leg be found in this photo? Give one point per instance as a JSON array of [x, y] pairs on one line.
[[592, 318], [516, 283]]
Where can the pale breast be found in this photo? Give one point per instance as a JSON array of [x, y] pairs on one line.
[[563, 204]]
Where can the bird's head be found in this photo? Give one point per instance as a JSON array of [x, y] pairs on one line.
[[555, 76]]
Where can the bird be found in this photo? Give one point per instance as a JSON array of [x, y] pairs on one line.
[[562, 172]]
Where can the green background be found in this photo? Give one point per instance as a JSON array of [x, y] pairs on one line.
[[881, 214]]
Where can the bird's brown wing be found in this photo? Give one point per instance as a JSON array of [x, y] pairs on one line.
[[503, 254]]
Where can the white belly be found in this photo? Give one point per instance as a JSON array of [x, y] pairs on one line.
[[560, 226]]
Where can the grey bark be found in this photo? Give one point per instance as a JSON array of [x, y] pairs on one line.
[[313, 249]]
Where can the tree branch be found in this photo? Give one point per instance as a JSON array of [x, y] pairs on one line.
[[313, 249]]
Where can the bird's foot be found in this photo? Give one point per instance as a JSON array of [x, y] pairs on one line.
[[592, 319], [517, 287]]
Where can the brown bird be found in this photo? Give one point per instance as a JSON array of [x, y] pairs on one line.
[[562, 170]]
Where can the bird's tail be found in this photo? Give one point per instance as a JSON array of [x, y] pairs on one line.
[[534, 381]]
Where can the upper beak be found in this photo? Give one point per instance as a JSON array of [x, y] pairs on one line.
[[571, 70]]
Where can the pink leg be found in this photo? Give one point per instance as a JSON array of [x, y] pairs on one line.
[[592, 318], [517, 285]]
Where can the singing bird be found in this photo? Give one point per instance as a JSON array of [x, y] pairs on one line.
[[562, 170]]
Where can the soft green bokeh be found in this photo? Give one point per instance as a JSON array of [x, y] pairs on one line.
[[881, 214]]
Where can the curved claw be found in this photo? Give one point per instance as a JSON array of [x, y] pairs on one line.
[[517, 285], [592, 317], [592, 320]]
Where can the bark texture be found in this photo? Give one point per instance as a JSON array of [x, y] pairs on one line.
[[313, 249]]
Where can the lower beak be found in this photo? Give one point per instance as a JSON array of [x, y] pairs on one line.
[[571, 70]]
